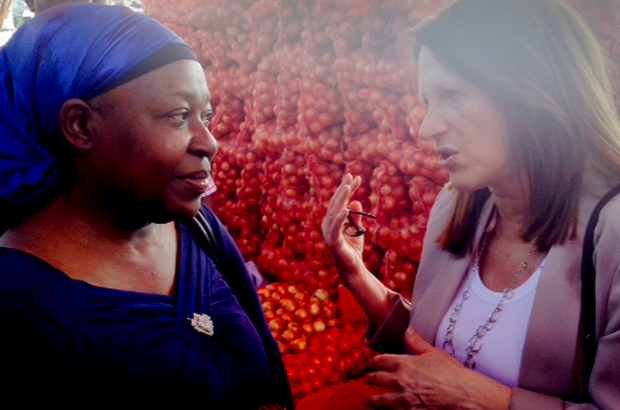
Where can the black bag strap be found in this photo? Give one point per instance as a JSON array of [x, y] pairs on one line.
[[205, 235], [588, 279]]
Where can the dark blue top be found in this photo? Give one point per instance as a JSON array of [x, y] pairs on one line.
[[67, 344]]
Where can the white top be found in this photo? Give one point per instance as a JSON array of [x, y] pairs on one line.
[[502, 347]]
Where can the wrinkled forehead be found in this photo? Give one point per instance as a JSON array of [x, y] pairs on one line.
[[182, 80]]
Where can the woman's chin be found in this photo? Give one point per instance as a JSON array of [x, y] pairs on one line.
[[187, 211], [464, 185], [174, 211]]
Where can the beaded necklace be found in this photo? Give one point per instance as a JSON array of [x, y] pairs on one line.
[[475, 342]]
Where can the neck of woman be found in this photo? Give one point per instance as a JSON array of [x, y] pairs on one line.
[[512, 212], [63, 221]]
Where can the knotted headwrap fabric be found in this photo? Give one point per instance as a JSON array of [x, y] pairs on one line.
[[74, 51]]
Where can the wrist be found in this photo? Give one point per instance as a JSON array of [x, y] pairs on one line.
[[488, 394], [349, 270], [354, 275]]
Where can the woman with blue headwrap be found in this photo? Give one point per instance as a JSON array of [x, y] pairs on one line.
[[107, 298]]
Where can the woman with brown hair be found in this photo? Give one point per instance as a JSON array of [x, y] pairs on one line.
[[522, 114]]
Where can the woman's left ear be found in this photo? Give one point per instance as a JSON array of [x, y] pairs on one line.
[[75, 117]]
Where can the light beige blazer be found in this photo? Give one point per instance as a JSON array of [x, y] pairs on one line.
[[551, 367]]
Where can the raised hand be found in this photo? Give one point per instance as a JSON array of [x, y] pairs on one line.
[[346, 249]]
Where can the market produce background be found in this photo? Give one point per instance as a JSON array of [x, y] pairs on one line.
[[304, 92]]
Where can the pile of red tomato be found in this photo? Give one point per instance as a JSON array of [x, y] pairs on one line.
[[322, 341], [304, 92]]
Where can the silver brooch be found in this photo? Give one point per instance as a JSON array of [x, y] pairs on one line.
[[202, 323]]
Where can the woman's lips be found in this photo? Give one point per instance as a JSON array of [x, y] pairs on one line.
[[446, 157], [198, 185], [197, 181]]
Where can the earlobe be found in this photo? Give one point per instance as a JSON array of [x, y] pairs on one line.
[[75, 116]]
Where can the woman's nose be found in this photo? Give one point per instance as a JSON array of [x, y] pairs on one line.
[[203, 142], [433, 124]]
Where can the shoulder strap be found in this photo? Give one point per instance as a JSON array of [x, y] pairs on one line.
[[588, 279], [249, 301], [205, 236]]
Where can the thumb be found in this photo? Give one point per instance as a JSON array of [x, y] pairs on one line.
[[356, 206], [415, 343]]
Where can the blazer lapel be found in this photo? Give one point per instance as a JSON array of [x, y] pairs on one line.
[[550, 344], [439, 288]]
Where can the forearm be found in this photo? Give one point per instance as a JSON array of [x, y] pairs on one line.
[[372, 295], [523, 399], [483, 393]]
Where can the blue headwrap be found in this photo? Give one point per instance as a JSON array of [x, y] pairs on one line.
[[72, 51]]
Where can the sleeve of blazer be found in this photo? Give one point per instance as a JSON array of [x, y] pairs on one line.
[[389, 336]]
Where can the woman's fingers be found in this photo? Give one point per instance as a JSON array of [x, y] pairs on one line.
[[355, 183], [390, 400], [381, 379], [338, 200], [387, 362], [333, 223], [355, 206], [341, 191], [337, 211]]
